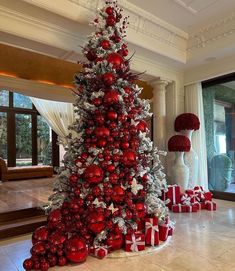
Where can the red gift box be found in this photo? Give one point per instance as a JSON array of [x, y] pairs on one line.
[[198, 189], [192, 209], [190, 192], [135, 242], [151, 231], [99, 251], [208, 196], [171, 228], [140, 225], [173, 194], [200, 205], [210, 205], [163, 232], [185, 199], [179, 208], [194, 198]]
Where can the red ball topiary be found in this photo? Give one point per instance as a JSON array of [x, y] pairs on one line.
[[179, 143], [187, 121]]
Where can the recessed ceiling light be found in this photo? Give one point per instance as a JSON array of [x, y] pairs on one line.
[[211, 58]]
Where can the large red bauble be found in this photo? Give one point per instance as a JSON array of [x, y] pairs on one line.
[[54, 217], [111, 20], [115, 59], [112, 115], [96, 222], [109, 10], [40, 234], [114, 241], [142, 126], [140, 208], [108, 78], [129, 158], [93, 174], [118, 194], [111, 97], [28, 264], [39, 249], [76, 250], [102, 132], [105, 44]]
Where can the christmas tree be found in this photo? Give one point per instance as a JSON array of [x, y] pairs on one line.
[[112, 176]]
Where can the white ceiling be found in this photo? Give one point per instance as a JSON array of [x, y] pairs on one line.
[[187, 14]]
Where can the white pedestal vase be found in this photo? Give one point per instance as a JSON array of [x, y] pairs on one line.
[[191, 160], [180, 172]]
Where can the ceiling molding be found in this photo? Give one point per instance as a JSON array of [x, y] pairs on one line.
[[145, 29], [216, 31]]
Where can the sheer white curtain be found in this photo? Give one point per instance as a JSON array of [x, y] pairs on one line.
[[194, 104], [59, 115]]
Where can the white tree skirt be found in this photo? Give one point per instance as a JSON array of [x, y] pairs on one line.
[[148, 250]]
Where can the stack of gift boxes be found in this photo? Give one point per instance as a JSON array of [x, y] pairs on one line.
[[192, 200], [151, 233]]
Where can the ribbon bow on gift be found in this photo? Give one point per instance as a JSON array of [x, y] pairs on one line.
[[153, 228], [135, 242], [196, 198], [97, 248], [185, 199]]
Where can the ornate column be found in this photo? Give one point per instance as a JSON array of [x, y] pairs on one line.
[[159, 112]]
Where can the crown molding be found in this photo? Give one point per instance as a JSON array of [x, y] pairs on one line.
[[217, 31], [145, 29]]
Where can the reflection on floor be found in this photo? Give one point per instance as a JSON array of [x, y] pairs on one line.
[[202, 241], [17, 195]]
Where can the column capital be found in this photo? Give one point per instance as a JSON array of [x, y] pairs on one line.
[[160, 84]]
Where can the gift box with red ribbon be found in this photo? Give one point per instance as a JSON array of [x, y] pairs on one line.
[[151, 231], [192, 209], [207, 196], [185, 199], [99, 251], [210, 205], [163, 231], [189, 192], [135, 242], [173, 194], [141, 225], [179, 208], [200, 205]]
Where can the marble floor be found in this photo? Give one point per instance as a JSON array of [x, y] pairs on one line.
[[18, 195], [202, 241]]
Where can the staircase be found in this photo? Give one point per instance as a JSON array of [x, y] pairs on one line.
[[20, 222]]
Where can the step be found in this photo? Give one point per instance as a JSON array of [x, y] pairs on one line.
[[21, 226], [20, 214]]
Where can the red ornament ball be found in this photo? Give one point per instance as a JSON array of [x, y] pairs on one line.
[[44, 266], [114, 241], [28, 264], [111, 97], [118, 194], [62, 261], [129, 158], [40, 234], [102, 132], [101, 142], [110, 20], [74, 177], [54, 217], [91, 56], [109, 10], [115, 59], [112, 115], [105, 44], [38, 249], [93, 174], [108, 78], [96, 222], [142, 126], [140, 208], [76, 250]]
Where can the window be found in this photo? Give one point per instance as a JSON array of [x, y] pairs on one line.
[[25, 136], [4, 98], [21, 101], [3, 135]]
